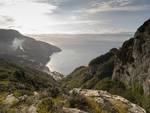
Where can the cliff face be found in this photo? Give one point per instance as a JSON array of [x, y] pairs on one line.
[[25, 50], [132, 64]]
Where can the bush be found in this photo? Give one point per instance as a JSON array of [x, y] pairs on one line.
[[110, 86], [46, 106], [77, 101], [85, 103]]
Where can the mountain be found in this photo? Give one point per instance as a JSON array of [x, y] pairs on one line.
[[123, 71], [25, 50]]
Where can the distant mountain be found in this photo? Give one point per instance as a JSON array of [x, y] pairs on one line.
[[125, 72], [25, 50]]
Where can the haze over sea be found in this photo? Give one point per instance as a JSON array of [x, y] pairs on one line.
[[78, 50]]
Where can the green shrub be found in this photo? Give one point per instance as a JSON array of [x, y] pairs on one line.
[[46, 106], [94, 106], [77, 101], [110, 85]]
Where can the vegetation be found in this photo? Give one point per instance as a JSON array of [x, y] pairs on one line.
[[84, 103], [90, 104], [22, 82], [81, 78], [46, 106], [18, 79], [77, 101], [120, 106]]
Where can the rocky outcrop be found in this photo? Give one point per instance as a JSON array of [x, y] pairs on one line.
[[56, 75], [10, 100], [73, 110], [132, 64], [109, 103]]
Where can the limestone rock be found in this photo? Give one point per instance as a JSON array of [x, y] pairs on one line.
[[112, 103], [10, 100]]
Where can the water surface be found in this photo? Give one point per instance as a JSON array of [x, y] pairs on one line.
[[79, 50]]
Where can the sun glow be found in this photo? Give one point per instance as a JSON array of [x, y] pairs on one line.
[[72, 16], [28, 16]]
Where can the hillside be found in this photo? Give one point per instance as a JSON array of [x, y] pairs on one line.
[[124, 72], [25, 90], [20, 86], [25, 50]]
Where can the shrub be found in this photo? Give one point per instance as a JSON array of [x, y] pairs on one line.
[[77, 101], [46, 106]]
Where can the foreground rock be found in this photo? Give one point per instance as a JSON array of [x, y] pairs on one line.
[[73, 110], [110, 103], [10, 100]]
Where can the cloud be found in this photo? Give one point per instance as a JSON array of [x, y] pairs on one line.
[[115, 5], [6, 21], [25, 14], [71, 16]]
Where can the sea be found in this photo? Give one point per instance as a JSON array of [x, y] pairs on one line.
[[79, 49]]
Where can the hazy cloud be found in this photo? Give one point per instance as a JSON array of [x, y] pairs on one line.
[[73, 16], [6, 21], [114, 5]]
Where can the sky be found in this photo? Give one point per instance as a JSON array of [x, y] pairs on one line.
[[73, 16]]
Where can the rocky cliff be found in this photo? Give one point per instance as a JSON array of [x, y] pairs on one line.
[[132, 64]]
